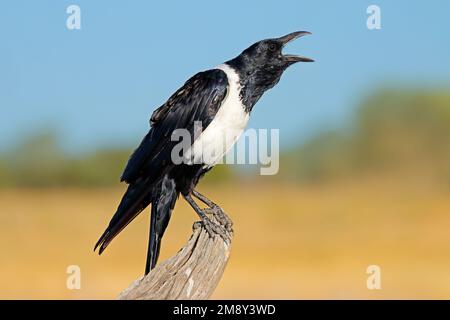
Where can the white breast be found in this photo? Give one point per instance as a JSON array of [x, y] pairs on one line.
[[224, 130]]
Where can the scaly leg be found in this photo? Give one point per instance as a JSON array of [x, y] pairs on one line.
[[216, 210], [203, 199], [211, 227]]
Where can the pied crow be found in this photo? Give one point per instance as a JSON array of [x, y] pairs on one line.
[[220, 100]]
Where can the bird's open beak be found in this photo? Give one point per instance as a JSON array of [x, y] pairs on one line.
[[288, 38]]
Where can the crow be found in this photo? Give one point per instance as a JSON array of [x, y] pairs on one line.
[[217, 101]]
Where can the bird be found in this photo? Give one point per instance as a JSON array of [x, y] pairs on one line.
[[218, 101]]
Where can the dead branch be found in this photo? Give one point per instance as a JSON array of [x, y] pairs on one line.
[[194, 272]]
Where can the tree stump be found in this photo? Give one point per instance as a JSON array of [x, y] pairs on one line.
[[194, 272]]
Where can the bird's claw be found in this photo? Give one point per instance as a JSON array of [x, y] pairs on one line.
[[221, 217], [214, 229], [196, 225]]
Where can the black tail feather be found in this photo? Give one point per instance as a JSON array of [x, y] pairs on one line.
[[136, 198], [163, 201]]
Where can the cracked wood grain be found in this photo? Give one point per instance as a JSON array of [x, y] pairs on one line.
[[194, 272]]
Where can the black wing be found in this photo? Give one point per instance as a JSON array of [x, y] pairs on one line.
[[198, 100]]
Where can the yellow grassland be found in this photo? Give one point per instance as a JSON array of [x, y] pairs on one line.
[[290, 241]]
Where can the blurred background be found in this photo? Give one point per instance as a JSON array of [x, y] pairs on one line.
[[365, 145]]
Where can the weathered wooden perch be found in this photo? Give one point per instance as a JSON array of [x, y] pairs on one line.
[[194, 272]]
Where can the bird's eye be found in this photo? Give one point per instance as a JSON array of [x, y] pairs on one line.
[[272, 47]]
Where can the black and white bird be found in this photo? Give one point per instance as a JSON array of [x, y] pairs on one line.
[[220, 100]]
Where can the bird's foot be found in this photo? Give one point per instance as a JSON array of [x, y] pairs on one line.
[[215, 229], [218, 224], [221, 217]]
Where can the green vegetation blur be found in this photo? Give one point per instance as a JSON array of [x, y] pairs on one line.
[[376, 191], [392, 131]]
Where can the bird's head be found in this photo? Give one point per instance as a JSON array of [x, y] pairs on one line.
[[261, 65]]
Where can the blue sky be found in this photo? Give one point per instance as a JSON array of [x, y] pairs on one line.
[[98, 86]]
